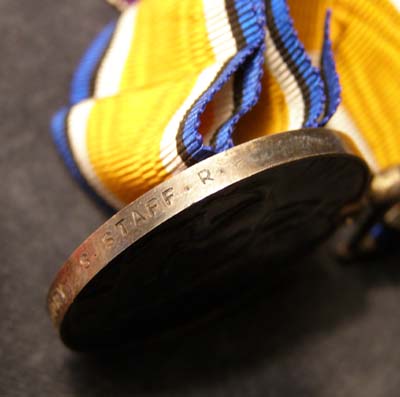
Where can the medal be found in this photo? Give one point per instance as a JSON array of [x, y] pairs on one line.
[[173, 120], [234, 214]]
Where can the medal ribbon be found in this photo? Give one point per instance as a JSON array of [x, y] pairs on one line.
[[172, 82]]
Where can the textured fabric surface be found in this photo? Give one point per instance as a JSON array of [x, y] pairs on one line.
[[197, 65], [324, 330]]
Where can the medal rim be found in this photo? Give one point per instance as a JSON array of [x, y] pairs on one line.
[[180, 192]]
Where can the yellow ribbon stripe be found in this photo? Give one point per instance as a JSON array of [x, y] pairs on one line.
[[164, 54], [366, 45], [161, 57]]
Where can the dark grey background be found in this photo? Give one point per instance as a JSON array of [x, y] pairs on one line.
[[325, 330]]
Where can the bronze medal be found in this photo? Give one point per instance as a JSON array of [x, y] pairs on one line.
[[187, 245]]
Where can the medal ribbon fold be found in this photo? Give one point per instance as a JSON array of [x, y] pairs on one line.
[[171, 83]]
